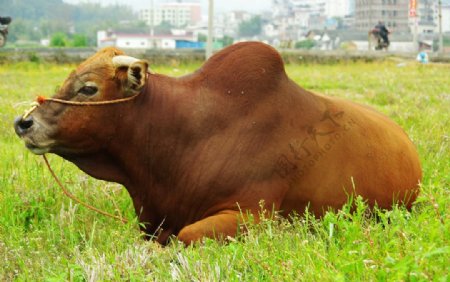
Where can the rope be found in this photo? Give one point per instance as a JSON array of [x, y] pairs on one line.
[[39, 101], [71, 196]]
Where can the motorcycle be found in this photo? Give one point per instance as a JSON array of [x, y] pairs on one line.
[[4, 22], [375, 37]]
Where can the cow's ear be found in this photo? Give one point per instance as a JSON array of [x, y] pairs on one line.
[[131, 72], [137, 75]]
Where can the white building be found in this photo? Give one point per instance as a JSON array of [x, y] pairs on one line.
[[228, 23], [270, 30], [446, 18], [427, 13], [144, 41], [308, 14], [338, 8], [177, 14], [105, 39], [327, 8]]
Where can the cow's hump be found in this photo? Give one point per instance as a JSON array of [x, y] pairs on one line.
[[244, 68]]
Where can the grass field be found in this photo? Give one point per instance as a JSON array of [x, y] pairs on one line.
[[44, 236]]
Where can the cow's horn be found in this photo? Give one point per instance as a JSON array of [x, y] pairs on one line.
[[123, 61]]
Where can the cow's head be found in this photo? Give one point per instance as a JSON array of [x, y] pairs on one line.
[[75, 129]]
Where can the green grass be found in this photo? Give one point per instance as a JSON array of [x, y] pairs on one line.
[[45, 236]]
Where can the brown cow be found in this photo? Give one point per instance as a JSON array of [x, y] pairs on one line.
[[197, 152]]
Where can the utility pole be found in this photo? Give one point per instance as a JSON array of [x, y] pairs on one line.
[[415, 21], [416, 33], [152, 23], [370, 25], [209, 43], [441, 38]]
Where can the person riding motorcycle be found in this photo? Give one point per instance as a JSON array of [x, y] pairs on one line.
[[383, 32], [4, 22]]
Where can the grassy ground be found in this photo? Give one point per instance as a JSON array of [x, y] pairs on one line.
[[45, 236]]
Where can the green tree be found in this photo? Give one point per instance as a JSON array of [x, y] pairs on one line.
[[305, 44], [37, 19], [163, 28], [79, 40], [227, 40], [251, 27], [202, 38], [18, 27], [58, 39]]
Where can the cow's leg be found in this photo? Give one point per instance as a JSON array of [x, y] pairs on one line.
[[218, 226]]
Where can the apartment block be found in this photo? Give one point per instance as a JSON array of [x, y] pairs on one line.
[[427, 14], [177, 14], [394, 14]]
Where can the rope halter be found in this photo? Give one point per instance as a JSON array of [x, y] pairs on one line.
[[41, 100]]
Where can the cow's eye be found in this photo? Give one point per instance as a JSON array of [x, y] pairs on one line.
[[88, 90]]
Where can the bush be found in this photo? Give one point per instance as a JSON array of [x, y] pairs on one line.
[[79, 40], [305, 44], [33, 57], [58, 39]]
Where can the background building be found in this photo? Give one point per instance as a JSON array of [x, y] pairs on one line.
[[445, 18], [146, 41], [176, 14], [428, 16], [338, 8], [394, 13]]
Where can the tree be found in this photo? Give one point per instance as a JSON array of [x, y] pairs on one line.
[[305, 44], [79, 40], [58, 39], [18, 27], [251, 27], [163, 28], [227, 40], [37, 19], [202, 37]]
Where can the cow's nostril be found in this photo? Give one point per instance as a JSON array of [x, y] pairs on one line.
[[26, 123], [22, 125]]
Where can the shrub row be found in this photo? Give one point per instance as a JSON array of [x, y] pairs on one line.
[[161, 57]]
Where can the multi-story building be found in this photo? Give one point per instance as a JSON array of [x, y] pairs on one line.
[[321, 8], [308, 14], [427, 16], [230, 21], [394, 14], [445, 18], [177, 14], [338, 8]]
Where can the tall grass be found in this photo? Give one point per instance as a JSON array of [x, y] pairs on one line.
[[45, 236]]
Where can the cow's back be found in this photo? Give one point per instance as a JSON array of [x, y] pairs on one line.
[[351, 150], [248, 68], [323, 148]]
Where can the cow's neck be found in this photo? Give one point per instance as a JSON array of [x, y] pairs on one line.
[[155, 142], [101, 165]]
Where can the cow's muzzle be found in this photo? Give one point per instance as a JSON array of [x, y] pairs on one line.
[[23, 125]]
